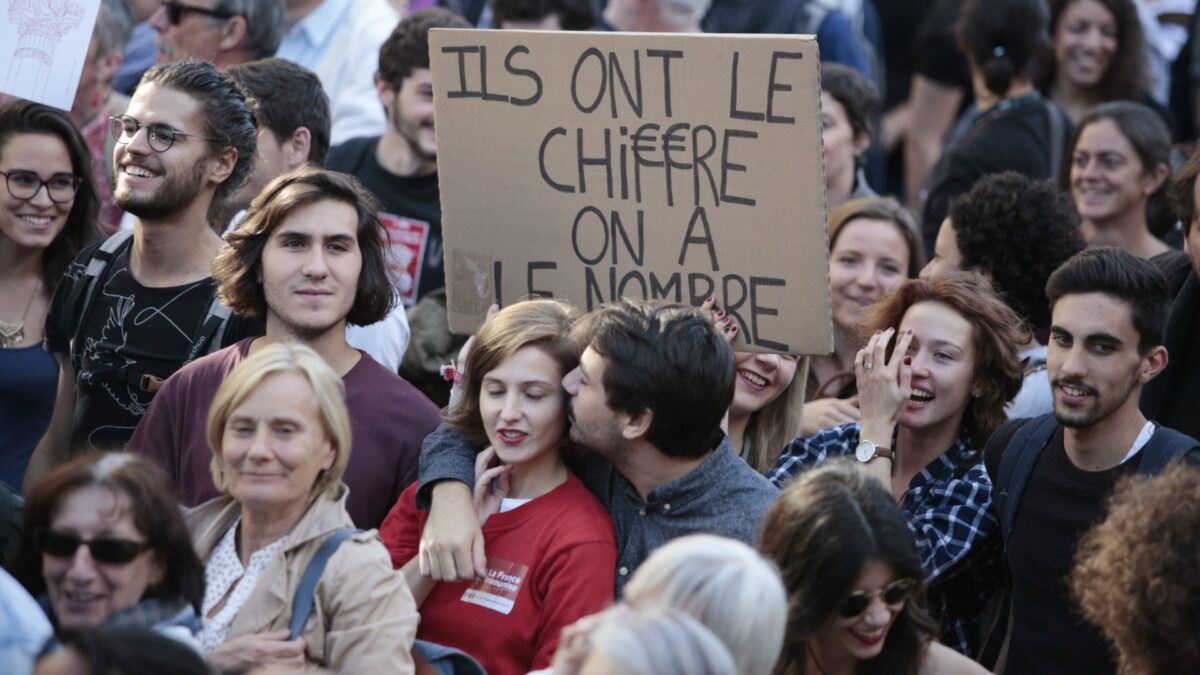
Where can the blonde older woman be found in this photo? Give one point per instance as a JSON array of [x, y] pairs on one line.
[[281, 439]]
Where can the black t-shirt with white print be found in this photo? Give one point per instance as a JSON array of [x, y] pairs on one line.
[[132, 327]]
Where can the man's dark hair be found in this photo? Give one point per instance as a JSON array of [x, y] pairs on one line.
[[669, 360], [236, 269], [858, 95], [572, 14], [1124, 276], [407, 48], [225, 114], [286, 96], [1017, 231], [1003, 38]]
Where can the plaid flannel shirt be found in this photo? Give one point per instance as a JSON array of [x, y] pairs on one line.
[[948, 509]]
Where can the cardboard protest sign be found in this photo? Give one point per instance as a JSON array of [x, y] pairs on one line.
[[43, 45], [591, 166]]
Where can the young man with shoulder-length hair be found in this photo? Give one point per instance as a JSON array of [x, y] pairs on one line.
[[307, 260]]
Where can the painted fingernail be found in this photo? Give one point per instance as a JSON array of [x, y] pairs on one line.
[[878, 332], [908, 360], [720, 312], [908, 332]]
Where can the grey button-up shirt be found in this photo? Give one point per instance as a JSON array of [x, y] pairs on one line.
[[721, 496]]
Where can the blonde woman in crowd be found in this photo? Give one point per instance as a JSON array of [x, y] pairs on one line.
[[280, 435]]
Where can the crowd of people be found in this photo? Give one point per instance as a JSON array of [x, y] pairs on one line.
[[236, 434]]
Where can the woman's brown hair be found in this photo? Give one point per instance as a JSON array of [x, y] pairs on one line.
[[998, 336], [886, 209], [821, 531], [542, 323], [1135, 575], [152, 503]]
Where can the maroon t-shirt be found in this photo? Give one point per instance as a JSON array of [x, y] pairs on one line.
[[388, 419]]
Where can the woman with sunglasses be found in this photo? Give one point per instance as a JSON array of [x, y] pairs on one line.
[[854, 579], [48, 210], [104, 542]]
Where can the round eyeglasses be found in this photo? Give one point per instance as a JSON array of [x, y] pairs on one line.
[[160, 136], [61, 187]]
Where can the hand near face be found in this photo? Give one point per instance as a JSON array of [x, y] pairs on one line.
[[258, 649], [491, 484], [884, 387]]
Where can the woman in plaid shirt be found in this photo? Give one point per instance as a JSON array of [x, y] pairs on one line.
[[933, 381]]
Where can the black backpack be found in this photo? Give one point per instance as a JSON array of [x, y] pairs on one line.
[[1023, 441], [205, 339]]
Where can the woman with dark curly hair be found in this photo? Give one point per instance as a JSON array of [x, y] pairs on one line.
[[1016, 232], [1099, 55], [933, 382], [1136, 573], [854, 579]]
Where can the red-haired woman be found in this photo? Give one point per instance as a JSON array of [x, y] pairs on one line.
[[933, 381]]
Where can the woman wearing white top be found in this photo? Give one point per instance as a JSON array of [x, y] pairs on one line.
[[281, 440]]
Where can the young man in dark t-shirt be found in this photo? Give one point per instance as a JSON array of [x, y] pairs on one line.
[[186, 139], [1108, 312], [307, 260], [400, 167]]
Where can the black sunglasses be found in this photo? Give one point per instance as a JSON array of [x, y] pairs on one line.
[[176, 9], [893, 594], [111, 551]]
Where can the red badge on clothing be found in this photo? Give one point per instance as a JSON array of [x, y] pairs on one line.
[[407, 240], [498, 590]]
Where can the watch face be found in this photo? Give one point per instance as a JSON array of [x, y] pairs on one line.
[[865, 451]]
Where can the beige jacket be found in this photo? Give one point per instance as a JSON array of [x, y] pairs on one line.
[[364, 619]]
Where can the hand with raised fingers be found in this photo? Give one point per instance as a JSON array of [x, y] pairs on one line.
[[491, 484], [724, 323], [884, 385]]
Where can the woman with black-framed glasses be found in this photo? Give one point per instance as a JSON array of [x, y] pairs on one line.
[[854, 579], [104, 542], [48, 211]]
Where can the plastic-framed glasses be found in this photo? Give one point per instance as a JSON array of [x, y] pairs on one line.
[[160, 136], [893, 594], [176, 9], [111, 551], [61, 187]]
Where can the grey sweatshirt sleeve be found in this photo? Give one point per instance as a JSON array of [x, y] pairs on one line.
[[445, 455]]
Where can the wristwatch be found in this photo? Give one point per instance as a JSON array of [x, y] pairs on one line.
[[867, 451]]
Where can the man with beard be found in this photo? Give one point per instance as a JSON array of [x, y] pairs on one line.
[[1052, 475], [307, 260], [132, 310], [400, 166], [647, 400]]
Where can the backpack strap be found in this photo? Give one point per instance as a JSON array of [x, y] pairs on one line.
[[82, 297], [207, 339], [1164, 447], [1016, 465], [306, 592]]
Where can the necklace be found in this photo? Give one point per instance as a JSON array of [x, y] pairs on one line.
[[12, 333]]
